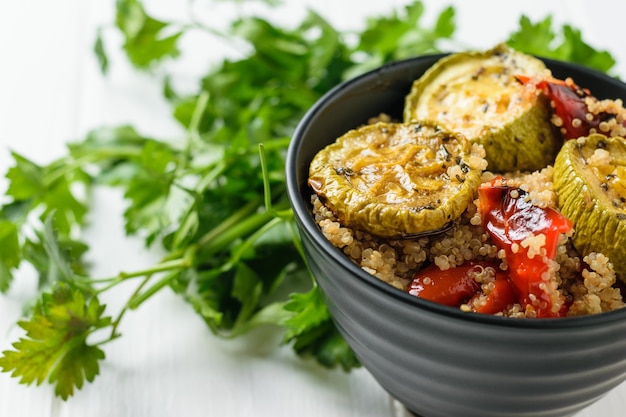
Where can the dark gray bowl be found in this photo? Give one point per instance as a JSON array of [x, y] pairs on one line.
[[437, 360]]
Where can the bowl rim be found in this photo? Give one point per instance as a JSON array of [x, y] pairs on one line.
[[303, 216]]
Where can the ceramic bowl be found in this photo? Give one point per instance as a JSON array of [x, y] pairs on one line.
[[434, 359]]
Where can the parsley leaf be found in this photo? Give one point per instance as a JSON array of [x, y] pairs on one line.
[[44, 257], [533, 38], [100, 53], [145, 43], [55, 346], [25, 179], [541, 39], [149, 191], [402, 35], [32, 186], [311, 312], [575, 49], [10, 252], [312, 331]]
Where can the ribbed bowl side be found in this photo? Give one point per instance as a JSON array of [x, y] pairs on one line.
[[441, 366]]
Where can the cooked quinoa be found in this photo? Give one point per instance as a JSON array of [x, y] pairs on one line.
[[396, 260], [613, 111]]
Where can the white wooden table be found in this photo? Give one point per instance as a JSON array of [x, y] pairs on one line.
[[168, 363]]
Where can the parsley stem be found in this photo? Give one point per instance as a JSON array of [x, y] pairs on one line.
[[69, 164], [267, 195], [209, 178], [118, 320], [196, 117], [297, 241], [161, 267], [174, 267], [230, 222], [238, 230], [221, 166], [278, 143], [236, 255], [138, 298], [196, 24]]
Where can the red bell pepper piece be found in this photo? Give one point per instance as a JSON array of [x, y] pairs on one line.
[[501, 296], [457, 285], [451, 287], [569, 104], [510, 219]]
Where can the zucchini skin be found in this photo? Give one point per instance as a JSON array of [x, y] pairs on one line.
[[599, 224], [516, 141], [392, 179]]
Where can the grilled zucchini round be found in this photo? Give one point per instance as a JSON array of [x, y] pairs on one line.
[[590, 182], [395, 179], [477, 94]]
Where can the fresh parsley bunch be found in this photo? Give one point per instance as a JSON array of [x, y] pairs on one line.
[[214, 201]]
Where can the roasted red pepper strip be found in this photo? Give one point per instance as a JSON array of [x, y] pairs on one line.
[[457, 285], [568, 100], [451, 287], [510, 219], [499, 299]]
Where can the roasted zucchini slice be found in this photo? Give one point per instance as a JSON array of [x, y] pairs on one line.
[[590, 183], [477, 94], [395, 179]]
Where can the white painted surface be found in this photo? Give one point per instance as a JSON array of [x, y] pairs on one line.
[[167, 363]]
